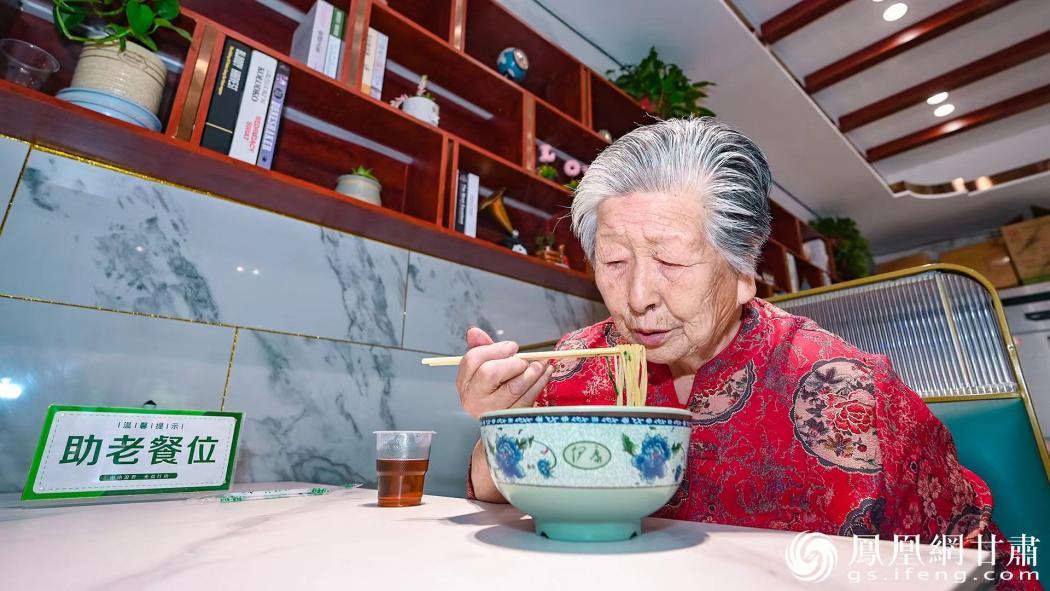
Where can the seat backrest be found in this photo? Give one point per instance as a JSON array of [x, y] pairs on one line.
[[943, 328], [995, 441]]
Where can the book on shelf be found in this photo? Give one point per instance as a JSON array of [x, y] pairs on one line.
[[273, 116], [470, 223], [368, 65], [255, 102], [318, 40], [378, 63], [467, 188], [334, 55], [226, 98], [792, 269], [461, 200]]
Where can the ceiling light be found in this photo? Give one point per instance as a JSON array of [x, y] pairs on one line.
[[895, 12], [944, 110], [937, 99]]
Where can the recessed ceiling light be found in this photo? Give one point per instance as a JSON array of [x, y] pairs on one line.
[[944, 110], [895, 12], [937, 99]]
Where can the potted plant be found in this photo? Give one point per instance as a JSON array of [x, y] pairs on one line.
[[547, 171], [361, 184], [573, 184], [422, 105], [119, 56], [662, 88], [852, 254]]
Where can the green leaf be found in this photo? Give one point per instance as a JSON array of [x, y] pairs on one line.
[[140, 19], [677, 447], [167, 9], [628, 445], [145, 40]]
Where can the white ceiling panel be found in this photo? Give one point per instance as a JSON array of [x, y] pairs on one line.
[[988, 91], [809, 157], [845, 30], [998, 30], [990, 149], [759, 11]]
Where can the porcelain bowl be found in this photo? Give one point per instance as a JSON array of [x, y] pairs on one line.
[[587, 473]]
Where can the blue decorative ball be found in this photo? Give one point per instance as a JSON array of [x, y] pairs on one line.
[[513, 63]]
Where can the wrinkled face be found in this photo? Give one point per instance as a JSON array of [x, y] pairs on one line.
[[665, 286]]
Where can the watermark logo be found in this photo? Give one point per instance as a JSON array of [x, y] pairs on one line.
[[811, 556]]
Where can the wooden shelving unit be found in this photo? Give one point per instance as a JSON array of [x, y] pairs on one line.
[[490, 126]]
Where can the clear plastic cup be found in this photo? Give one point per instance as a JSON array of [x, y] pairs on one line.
[[402, 459], [26, 64]]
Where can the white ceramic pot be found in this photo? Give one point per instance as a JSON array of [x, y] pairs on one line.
[[421, 108], [360, 187], [136, 73]]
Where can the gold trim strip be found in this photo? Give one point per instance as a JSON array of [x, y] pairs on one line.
[[229, 369], [980, 183], [14, 190], [968, 397], [997, 305], [210, 124]]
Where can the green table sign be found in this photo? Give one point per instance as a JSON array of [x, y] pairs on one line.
[[88, 451]]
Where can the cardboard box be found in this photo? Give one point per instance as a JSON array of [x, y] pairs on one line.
[[1029, 246], [912, 260], [990, 259]]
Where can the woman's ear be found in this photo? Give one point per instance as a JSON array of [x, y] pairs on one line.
[[745, 288]]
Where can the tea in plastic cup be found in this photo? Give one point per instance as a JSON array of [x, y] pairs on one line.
[[402, 459]]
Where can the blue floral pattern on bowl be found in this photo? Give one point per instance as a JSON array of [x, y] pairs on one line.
[[528, 448], [651, 460], [545, 468], [509, 453]]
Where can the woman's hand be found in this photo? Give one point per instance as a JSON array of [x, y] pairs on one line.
[[491, 378]]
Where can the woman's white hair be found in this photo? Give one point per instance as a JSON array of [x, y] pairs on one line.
[[699, 157]]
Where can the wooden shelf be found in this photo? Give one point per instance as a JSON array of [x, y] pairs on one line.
[[433, 15], [489, 126], [18, 24], [91, 135], [489, 110], [612, 109], [553, 75]]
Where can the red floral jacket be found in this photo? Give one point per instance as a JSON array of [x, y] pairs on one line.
[[795, 429]]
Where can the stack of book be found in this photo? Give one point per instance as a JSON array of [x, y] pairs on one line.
[[246, 105], [467, 187], [375, 63], [318, 40]]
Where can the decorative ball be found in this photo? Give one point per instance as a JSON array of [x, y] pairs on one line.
[[513, 63], [605, 134]]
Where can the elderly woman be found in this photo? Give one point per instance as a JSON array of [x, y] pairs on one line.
[[794, 428]]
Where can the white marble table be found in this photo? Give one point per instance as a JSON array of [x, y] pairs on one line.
[[344, 541]]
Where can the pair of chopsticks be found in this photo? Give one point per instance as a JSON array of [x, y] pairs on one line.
[[534, 356]]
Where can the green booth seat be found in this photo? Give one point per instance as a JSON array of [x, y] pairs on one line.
[[995, 441]]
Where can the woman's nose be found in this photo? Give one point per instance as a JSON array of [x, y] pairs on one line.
[[642, 294]]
